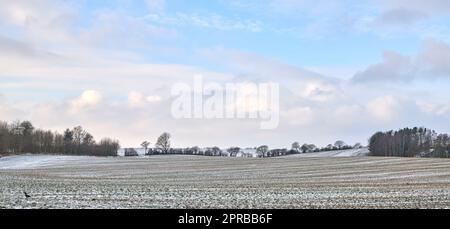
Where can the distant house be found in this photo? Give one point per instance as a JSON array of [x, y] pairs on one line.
[[248, 152], [130, 152]]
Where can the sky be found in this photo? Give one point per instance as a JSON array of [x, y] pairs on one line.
[[346, 68]]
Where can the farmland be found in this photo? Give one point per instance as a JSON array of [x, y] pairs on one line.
[[216, 182]]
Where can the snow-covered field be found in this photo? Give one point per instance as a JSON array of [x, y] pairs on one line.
[[36, 161], [214, 182], [140, 151], [336, 153]]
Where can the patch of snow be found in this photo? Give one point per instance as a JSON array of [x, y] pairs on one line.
[[336, 153], [248, 151], [36, 161], [140, 151]]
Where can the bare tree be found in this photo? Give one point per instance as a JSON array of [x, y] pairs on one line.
[[4, 137], [145, 145], [27, 130], [216, 151], [312, 148], [68, 141], [233, 151], [22, 137], [409, 142], [262, 150], [296, 147], [163, 143], [78, 135], [305, 148], [339, 144]]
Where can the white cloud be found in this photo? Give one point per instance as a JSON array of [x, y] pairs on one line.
[[153, 98], [209, 21], [156, 5], [36, 13], [40, 21], [88, 98], [300, 116], [431, 63], [8, 111], [431, 7], [116, 30], [434, 109], [435, 58], [136, 99], [394, 67], [319, 91], [139, 100], [400, 17], [349, 112], [383, 108], [322, 19], [130, 97]]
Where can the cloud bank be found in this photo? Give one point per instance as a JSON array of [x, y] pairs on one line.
[[112, 69]]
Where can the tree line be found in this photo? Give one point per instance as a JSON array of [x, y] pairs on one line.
[[22, 137], [163, 147], [311, 148], [410, 142]]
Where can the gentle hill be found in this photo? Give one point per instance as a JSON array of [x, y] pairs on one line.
[[336, 153]]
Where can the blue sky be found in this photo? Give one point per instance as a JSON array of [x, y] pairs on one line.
[[300, 44], [347, 68]]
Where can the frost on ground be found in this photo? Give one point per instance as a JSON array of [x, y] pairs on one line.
[[336, 153], [214, 182], [36, 161]]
